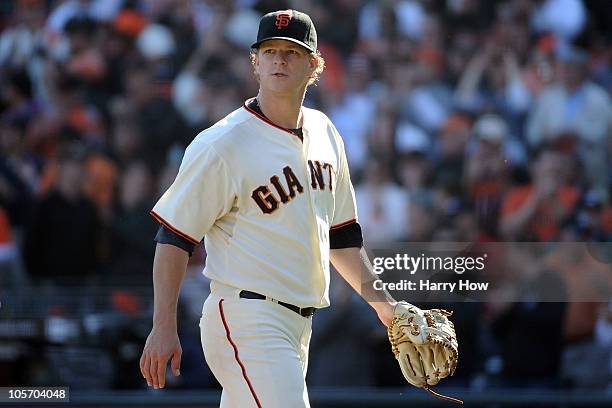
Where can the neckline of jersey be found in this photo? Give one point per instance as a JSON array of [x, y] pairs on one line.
[[268, 121]]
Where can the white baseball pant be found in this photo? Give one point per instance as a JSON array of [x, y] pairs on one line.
[[257, 350]]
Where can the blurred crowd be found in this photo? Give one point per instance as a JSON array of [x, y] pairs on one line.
[[463, 120]]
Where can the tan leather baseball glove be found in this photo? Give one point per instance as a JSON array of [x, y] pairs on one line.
[[425, 345]]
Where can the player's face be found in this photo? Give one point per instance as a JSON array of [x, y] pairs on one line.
[[283, 66]]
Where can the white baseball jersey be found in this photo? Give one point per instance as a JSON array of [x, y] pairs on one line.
[[265, 202]]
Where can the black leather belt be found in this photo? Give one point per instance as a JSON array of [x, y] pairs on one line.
[[304, 311]]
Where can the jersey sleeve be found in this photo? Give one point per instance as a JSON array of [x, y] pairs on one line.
[[201, 194], [165, 236], [345, 210]]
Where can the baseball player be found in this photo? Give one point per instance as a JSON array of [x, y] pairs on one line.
[[268, 188]]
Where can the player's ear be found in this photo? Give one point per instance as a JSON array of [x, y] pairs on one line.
[[255, 62], [314, 60]]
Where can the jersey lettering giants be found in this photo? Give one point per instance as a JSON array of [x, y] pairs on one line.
[[266, 224], [269, 202]]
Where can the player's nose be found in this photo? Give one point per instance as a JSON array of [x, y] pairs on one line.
[[280, 58]]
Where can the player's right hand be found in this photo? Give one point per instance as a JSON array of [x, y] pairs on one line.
[[161, 346]]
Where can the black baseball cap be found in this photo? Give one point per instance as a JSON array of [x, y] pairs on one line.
[[290, 25]]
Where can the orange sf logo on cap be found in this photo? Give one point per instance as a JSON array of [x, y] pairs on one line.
[[282, 19]]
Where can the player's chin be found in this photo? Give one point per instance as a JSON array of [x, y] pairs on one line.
[[280, 85]]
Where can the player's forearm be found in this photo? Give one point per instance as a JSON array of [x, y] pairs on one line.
[[355, 267], [168, 273]]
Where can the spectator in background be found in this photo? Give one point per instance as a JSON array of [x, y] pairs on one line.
[[587, 276], [529, 327], [199, 92], [17, 95], [100, 182], [61, 244], [574, 105], [382, 204], [18, 166], [422, 219], [588, 223], [337, 22], [18, 172], [157, 46], [20, 41], [460, 49], [126, 140], [354, 114], [492, 80], [486, 174], [85, 61], [413, 148], [451, 148], [429, 101], [189, 90], [160, 124], [130, 254], [381, 139], [354, 359], [537, 72], [589, 286], [69, 117], [408, 16], [564, 18], [536, 212], [465, 222]]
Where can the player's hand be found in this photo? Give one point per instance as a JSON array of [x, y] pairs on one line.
[[385, 312], [161, 346]]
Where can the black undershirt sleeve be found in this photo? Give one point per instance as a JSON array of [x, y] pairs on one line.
[[349, 236], [166, 236]]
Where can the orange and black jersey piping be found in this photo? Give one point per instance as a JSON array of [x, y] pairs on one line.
[[252, 105], [345, 235]]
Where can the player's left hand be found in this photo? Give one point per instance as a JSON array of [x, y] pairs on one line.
[[385, 312], [425, 345]]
